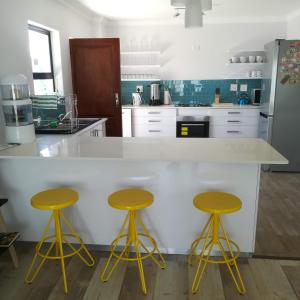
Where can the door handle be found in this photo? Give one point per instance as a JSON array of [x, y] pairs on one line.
[[233, 121], [117, 100]]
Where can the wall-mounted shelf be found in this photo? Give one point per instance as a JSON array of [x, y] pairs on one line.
[[246, 64]]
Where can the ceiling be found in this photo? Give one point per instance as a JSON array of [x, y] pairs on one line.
[[163, 11]]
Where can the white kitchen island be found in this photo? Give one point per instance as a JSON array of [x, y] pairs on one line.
[[174, 170]]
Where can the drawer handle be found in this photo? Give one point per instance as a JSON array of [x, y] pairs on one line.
[[154, 112], [233, 131], [193, 125], [233, 121], [154, 121], [234, 112], [153, 130]]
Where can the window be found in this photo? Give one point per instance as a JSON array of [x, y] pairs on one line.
[[41, 60]]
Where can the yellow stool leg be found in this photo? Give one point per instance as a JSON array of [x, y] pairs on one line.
[[61, 252], [134, 237], [29, 279], [207, 245], [161, 264], [75, 234], [103, 275], [195, 243], [241, 288]]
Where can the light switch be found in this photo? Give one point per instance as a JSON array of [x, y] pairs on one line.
[[233, 87], [243, 87]]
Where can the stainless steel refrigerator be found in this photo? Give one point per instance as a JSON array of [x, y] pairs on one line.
[[280, 102]]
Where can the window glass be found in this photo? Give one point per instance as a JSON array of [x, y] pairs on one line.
[[43, 86], [39, 52], [41, 60]]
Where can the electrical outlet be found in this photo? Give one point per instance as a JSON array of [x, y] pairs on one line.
[[139, 88], [233, 87], [244, 88]]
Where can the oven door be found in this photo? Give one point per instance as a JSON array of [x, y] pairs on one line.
[[192, 129]]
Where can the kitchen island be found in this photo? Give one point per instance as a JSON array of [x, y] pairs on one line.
[[174, 170]]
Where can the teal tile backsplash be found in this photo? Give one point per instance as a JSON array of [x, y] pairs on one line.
[[200, 91]]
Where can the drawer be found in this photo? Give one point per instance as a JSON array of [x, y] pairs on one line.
[[234, 120], [235, 112], [233, 131], [154, 131], [162, 112], [154, 120]]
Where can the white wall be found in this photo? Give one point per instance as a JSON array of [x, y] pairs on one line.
[[293, 27], [14, 46], [199, 53]]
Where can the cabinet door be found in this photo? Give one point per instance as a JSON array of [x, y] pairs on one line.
[[96, 80], [126, 122]]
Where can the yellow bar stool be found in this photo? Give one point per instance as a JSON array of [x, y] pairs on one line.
[[132, 200], [55, 200], [216, 203]]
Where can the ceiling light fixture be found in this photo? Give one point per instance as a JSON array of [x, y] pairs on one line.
[[193, 13]]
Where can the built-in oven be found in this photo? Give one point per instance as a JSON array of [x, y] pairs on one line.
[[192, 126]]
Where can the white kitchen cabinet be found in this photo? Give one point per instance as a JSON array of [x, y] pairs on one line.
[[126, 122], [154, 122], [234, 123]]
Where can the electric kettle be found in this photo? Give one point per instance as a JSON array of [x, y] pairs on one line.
[[136, 99]]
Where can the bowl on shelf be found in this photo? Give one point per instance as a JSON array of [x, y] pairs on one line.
[[243, 59], [235, 59]]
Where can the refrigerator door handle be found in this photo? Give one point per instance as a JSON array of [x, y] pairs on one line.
[[270, 125]]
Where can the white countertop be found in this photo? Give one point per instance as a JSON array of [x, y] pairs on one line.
[[214, 106], [158, 149]]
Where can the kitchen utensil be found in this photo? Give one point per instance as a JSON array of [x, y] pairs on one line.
[[259, 59], [243, 99], [136, 99], [243, 59], [235, 59], [252, 59], [254, 74], [167, 97]]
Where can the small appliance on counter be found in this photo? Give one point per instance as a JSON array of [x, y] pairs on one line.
[[136, 99], [17, 109], [243, 99], [217, 96], [256, 95], [167, 97], [155, 94]]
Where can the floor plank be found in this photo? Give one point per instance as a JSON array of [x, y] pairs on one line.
[[278, 215], [293, 275], [210, 286], [172, 283], [111, 289], [270, 280]]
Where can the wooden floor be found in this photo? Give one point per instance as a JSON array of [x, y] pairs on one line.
[[278, 224], [264, 279]]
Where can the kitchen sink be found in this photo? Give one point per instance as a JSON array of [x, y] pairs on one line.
[[65, 128]]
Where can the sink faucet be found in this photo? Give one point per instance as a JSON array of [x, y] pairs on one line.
[[62, 117]]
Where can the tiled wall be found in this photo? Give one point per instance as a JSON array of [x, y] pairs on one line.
[[201, 91]]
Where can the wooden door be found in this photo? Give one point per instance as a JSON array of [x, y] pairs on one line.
[[96, 80]]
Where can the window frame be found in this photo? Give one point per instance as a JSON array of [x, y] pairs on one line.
[[44, 75]]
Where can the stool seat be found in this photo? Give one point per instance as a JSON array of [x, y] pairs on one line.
[[130, 199], [54, 199], [217, 202]]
